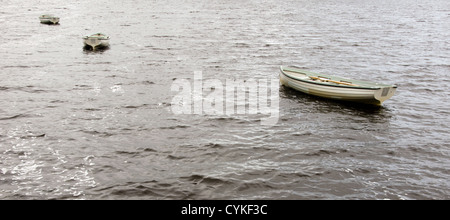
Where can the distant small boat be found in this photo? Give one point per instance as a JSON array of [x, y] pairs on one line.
[[98, 40], [49, 19], [334, 87]]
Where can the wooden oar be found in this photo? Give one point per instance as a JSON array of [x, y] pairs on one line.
[[333, 81], [323, 79]]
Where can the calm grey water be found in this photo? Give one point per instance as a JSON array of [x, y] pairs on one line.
[[77, 124]]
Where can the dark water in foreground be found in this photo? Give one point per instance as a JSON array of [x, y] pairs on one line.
[[81, 125]]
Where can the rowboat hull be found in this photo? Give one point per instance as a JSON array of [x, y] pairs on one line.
[[96, 41], [49, 19], [371, 93]]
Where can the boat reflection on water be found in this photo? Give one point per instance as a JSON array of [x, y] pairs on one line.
[[304, 103], [89, 49]]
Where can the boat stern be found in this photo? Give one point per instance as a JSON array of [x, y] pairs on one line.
[[385, 93], [92, 41], [54, 20]]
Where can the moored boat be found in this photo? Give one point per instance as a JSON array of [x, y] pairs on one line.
[[95, 41], [334, 87], [49, 19]]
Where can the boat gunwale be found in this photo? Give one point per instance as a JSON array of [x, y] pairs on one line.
[[48, 17], [98, 36], [331, 85]]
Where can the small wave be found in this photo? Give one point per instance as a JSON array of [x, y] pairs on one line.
[[135, 106], [164, 36], [147, 82], [141, 152], [57, 101], [32, 89], [92, 109], [107, 168], [148, 150], [242, 45], [22, 66], [125, 185], [137, 191], [33, 136], [223, 119], [295, 175], [362, 170], [254, 186], [128, 153], [91, 119], [230, 119], [15, 152], [99, 133], [212, 145], [176, 127], [29, 89], [305, 133], [14, 117], [173, 157], [323, 152], [82, 87], [197, 179], [129, 190], [19, 196]]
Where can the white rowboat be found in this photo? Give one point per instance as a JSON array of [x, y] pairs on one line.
[[334, 87], [98, 40], [49, 19]]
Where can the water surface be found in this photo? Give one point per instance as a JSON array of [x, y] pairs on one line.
[[81, 125]]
